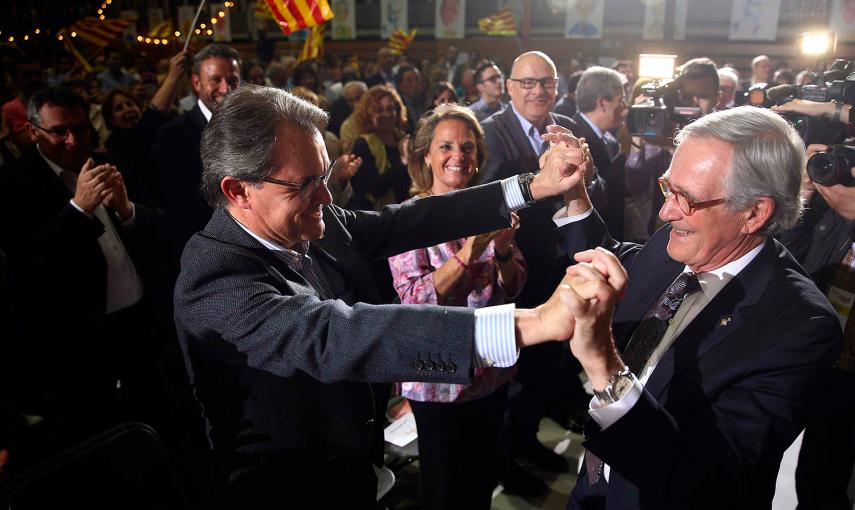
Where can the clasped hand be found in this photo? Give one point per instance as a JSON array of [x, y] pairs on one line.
[[102, 184], [563, 166]]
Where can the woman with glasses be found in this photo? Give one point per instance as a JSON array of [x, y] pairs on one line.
[[458, 424]]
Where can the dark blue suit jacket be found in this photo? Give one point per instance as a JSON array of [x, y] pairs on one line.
[[730, 394]]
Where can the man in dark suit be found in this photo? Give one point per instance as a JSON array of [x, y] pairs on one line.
[[77, 247], [601, 108], [272, 309], [216, 73], [514, 144], [385, 74], [720, 342]]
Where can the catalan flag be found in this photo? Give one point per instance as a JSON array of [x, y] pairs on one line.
[[501, 23], [100, 32], [69, 47], [292, 15], [400, 41], [262, 10], [162, 30], [313, 46]]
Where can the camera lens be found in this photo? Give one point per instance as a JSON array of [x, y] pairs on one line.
[[825, 168]]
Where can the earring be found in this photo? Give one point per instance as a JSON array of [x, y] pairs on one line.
[[476, 170]]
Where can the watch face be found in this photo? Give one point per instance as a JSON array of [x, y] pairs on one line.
[[621, 386]]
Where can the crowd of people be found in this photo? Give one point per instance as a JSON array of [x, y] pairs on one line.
[[254, 257]]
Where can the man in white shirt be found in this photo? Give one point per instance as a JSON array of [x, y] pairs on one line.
[[77, 248], [719, 340]]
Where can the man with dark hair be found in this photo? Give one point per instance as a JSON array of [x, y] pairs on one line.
[[78, 259], [215, 74], [276, 309], [490, 83], [409, 85], [114, 77]]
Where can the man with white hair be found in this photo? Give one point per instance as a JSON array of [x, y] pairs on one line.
[[728, 84], [704, 371]]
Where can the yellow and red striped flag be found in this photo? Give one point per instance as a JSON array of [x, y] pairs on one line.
[[293, 15], [501, 23], [400, 41], [69, 47], [262, 10], [313, 47], [100, 33], [162, 30]]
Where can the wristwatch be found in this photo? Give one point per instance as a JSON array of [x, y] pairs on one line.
[[619, 383], [524, 180]]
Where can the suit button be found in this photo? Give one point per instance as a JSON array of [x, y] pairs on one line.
[[418, 365], [429, 366], [451, 367], [440, 365]]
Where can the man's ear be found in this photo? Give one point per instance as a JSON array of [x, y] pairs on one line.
[[237, 192], [33, 132], [757, 216]]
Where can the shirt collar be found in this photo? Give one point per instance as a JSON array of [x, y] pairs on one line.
[[715, 280], [53, 166], [205, 111], [301, 251], [596, 128], [526, 125]]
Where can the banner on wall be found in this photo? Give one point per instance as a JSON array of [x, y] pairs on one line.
[[223, 27], [450, 18], [393, 16], [654, 20], [754, 20], [843, 19], [344, 22], [584, 19]]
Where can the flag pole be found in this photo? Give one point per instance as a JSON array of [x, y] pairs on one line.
[[193, 26]]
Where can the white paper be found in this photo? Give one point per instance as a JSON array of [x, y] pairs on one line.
[[754, 20], [402, 431], [344, 19], [449, 19], [584, 19]]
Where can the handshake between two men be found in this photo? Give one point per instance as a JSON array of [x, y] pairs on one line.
[[580, 309]]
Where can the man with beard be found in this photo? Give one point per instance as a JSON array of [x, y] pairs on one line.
[[216, 72]]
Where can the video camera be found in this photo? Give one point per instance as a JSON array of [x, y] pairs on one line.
[[663, 112]]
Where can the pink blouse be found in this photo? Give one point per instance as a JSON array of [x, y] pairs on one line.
[[412, 275]]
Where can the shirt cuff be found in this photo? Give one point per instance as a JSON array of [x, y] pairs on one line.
[[513, 196], [607, 414], [560, 218], [77, 206], [495, 337], [130, 221]]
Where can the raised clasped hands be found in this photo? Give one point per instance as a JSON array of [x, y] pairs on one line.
[[102, 184], [563, 166]]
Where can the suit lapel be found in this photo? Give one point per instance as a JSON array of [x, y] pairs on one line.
[[719, 320], [517, 134]]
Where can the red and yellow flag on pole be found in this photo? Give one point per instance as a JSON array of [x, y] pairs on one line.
[[400, 41], [501, 23], [69, 47], [313, 47], [293, 15], [100, 33]]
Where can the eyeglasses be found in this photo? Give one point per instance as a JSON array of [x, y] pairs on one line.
[[494, 79], [309, 185], [63, 131], [687, 206], [529, 83]]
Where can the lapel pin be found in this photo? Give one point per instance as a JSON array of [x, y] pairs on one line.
[[725, 321]]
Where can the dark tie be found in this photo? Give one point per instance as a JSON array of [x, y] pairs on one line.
[[646, 338], [612, 147]]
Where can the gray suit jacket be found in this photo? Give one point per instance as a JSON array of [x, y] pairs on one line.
[[274, 367]]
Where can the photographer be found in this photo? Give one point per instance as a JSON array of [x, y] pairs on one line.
[[823, 244], [834, 110], [698, 86]]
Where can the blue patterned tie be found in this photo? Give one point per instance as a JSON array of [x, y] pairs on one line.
[[646, 338]]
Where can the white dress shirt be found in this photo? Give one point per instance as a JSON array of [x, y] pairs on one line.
[[124, 287]]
